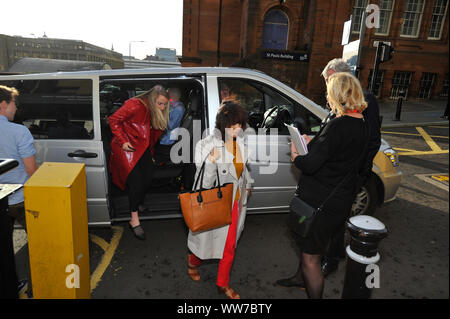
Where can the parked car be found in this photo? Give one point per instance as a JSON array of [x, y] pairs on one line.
[[87, 98]]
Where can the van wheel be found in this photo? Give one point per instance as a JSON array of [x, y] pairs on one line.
[[366, 200]]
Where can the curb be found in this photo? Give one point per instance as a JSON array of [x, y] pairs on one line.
[[390, 125]]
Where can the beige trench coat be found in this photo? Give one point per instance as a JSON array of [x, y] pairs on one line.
[[210, 244]]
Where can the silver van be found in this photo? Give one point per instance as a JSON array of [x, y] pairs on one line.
[[67, 114]]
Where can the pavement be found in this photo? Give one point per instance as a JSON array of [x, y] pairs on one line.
[[413, 113]]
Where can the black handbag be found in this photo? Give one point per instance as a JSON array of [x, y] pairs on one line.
[[302, 215]]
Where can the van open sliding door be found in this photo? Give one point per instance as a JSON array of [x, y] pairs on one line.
[[162, 197]]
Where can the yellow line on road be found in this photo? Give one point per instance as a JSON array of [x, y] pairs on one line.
[[428, 139], [107, 257], [403, 149], [423, 153], [99, 242], [412, 134]]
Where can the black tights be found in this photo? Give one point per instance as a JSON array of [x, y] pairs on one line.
[[312, 275], [139, 180], [309, 272]]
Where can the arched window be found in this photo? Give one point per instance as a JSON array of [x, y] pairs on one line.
[[275, 31]]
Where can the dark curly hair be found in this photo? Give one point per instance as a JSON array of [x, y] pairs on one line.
[[230, 113]]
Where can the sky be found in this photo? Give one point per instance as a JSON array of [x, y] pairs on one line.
[[100, 22]]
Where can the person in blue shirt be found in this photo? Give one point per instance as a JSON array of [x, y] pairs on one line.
[[16, 143], [162, 150]]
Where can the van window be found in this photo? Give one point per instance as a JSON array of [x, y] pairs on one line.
[[114, 92], [267, 108], [55, 109]]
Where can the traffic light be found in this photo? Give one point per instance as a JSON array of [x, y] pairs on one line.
[[388, 51]]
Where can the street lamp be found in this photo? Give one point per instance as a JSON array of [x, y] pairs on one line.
[[129, 46]]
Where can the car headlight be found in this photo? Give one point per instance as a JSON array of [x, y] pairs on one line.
[[392, 155]]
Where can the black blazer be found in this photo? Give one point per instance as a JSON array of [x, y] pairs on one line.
[[332, 155]]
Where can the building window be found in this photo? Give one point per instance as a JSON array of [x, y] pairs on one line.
[[386, 7], [275, 31], [412, 18], [426, 84], [378, 82], [437, 19], [444, 91], [400, 83], [358, 9]]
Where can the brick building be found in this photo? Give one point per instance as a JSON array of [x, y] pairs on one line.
[[13, 48], [292, 40]]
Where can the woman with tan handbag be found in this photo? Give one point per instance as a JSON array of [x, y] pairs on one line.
[[223, 152]]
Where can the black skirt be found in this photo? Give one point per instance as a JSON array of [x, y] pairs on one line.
[[324, 227], [326, 223]]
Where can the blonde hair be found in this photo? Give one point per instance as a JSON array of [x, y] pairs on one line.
[[345, 93], [159, 119]]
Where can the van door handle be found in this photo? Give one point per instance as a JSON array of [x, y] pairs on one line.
[[81, 153]]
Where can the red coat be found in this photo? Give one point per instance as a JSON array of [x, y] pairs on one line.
[[131, 123]]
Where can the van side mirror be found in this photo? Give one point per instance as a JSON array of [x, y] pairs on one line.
[[300, 123]]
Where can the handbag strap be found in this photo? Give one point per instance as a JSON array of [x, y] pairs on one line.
[[351, 171], [200, 176]]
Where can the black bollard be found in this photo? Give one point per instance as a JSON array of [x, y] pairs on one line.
[[401, 95], [366, 233]]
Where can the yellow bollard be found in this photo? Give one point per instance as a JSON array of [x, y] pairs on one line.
[[57, 227]]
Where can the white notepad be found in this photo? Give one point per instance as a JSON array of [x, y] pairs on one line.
[[298, 140]]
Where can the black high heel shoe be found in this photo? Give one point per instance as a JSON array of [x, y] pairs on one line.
[[138, 231]]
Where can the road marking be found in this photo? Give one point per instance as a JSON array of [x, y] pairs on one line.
[[429, 178], [432, 144], [412, 134], [109, 249], [441, 178], [435, 149], [403, 149], [99, 241], [414, 153]]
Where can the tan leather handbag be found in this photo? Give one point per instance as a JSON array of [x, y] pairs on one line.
[[207, 209]]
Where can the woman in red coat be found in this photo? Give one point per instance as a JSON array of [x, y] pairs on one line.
[[136, 127]]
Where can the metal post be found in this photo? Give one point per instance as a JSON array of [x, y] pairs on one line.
[[366, 233], [375, 67], [129, 46], [445, 116], [219, 63], [401, 95], [362, 32]]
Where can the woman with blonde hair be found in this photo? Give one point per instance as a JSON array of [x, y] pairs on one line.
[[136, 127], [329, 172]]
